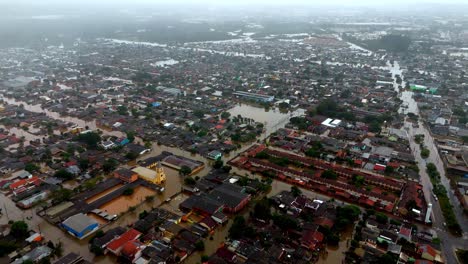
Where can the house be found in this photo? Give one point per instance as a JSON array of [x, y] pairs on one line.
[[110, 235], [34, 255], [226, 255], [126, 175], [312, 239], [80, 225], [219, 218], [122, 141], [70, 258], [231, 196], [107, 144], [201, 204], [214, 155], [208, 223], [116, 245], [429, 253], [132, 250], [170, 229]]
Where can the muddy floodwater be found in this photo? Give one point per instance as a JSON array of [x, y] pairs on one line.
[[122, 203]]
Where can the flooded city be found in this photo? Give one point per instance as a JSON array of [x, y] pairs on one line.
[[235, 132]]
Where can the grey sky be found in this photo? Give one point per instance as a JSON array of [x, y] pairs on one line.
[[221, 2]]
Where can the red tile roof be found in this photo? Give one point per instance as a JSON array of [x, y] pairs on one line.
[[18, 184], [119, 242]]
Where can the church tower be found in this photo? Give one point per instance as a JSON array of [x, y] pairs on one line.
[[160, 175]]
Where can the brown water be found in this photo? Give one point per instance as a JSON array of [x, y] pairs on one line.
[[123, 203], [336, 254], [102, 194], [54, 115], [272, 119]]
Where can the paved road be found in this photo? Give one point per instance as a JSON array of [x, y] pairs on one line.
[[449, 243]]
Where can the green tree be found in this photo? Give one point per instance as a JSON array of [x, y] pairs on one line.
[[19, 229], [63, 174], [128, 192], [425, 153], [122, 110], [218, 164], [262, 209], [31, 167], [61, 195], [110, 165], [329, 174], [225, 115], [237, 228], [285, 222], [131, 135], [295, 191], [381, 218], [91, 139], [199, 245], [185, 170], [190, 181]]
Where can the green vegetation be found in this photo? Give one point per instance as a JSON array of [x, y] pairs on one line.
[[31, 167], [63, 174], [285, 222], [262, 210], [444, 202], [131, 155], [128, 192], [91, 139], [143, 214], [189, 181], [225, 115], [419, 138], [131, 135], [357, 180], [218, 164], [61, 195], [295, 191], [425, 153], [331, 108], [315, 150], [387, 258], [19, 229], [381, 218], [300, 122], [110, 165], [185, 170], [240, 229], [346, 215], [199, 245], [329, 174]]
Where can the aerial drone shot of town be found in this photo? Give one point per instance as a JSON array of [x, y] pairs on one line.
[[226, 132]]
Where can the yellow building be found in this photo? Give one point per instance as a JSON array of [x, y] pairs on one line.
[[154, 176]]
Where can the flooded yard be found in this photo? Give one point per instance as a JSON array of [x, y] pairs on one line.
[[98, 219], [336, 254], [123, 203]]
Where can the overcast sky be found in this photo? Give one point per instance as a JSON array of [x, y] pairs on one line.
[[218, 2]]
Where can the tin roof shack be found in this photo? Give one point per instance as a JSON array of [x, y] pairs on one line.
[[80, 225]]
